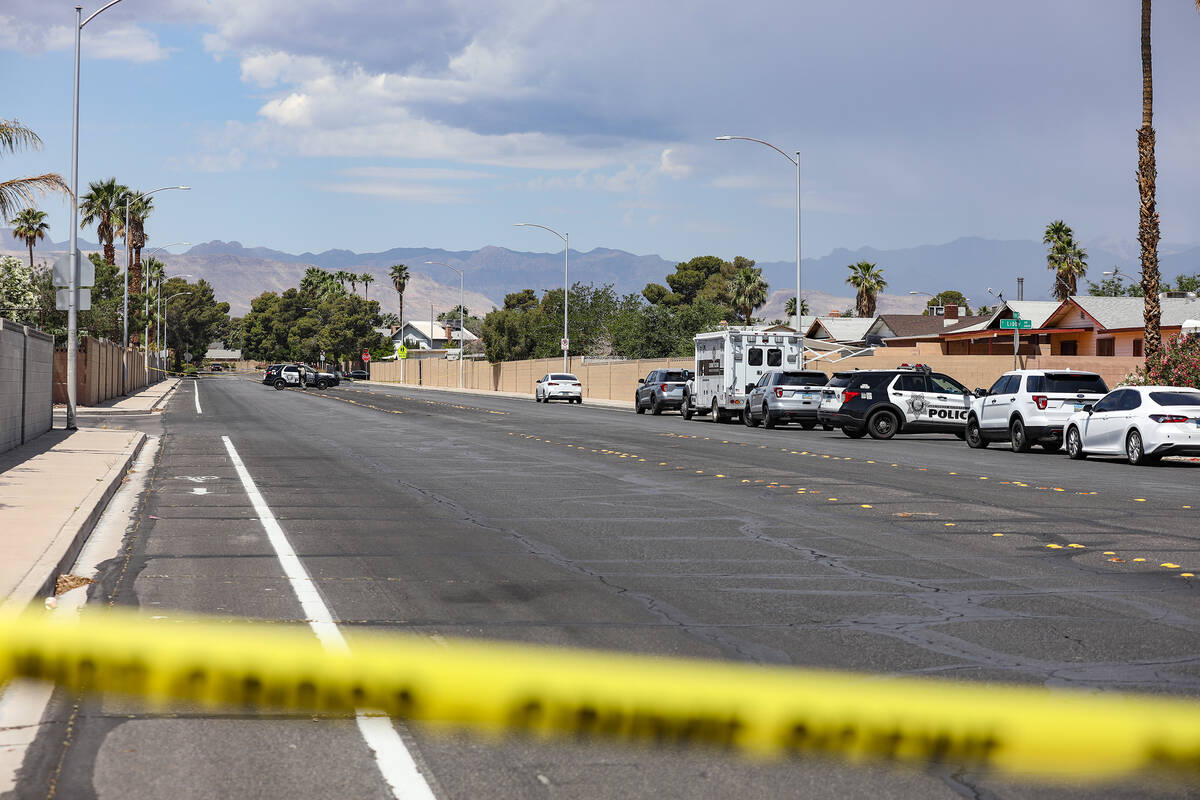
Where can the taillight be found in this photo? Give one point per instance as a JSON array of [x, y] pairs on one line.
[[1041, 400], [552, 384], [663, 387], [778, 392], [577, 384], [1168, 418], [848, 395]]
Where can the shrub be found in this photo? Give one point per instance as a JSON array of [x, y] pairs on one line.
[[1177, 363]]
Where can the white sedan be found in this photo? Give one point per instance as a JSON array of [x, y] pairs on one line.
[[558, 386], [1142, 423]]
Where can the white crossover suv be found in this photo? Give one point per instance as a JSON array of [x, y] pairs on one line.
[[1030, 406]]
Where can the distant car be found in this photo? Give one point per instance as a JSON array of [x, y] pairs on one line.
[[272, 374], [1143, 423], [358, 375], [1030, 406], [293, 374], [781, 397], [216, 368], [558, 386], [660, 390]]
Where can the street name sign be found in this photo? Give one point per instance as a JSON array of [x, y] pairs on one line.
[[1016, 324]]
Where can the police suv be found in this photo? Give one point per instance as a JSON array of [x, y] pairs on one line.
[[884, 402]]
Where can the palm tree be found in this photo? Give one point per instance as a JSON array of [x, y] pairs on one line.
[[790, 308], [353, 277], [342, 276], [139, 208], [748, 291], [18, 193], [104, 205], [1065, 258], [30, 225], [399, 275], [868, 280], [367, 279]]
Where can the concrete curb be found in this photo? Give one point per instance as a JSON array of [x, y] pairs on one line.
[[620, 404], [62, 552]]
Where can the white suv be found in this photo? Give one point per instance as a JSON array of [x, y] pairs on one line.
[[1031, 406]]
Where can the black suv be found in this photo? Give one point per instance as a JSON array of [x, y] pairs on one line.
[[884, 402]]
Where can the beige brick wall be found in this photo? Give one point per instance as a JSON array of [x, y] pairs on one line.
[[26, 371]]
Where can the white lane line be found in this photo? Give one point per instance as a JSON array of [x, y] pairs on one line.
[[198, 411], [395, 763]]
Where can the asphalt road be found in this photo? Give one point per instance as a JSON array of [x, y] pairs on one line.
[[457, 515]]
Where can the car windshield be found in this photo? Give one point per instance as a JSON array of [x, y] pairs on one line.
[[1074, 384], [802, 379], [674, 376], [563, 377], [1176, 398]]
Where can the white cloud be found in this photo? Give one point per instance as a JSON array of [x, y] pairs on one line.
[[424, 193], [120, 42], [669, 164]]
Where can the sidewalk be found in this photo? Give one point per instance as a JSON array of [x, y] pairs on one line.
[[53, 489]]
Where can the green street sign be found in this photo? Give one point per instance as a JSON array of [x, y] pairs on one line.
[[1020, 324], [402, 352]]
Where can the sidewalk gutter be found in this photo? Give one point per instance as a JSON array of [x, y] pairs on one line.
[[62, 551]]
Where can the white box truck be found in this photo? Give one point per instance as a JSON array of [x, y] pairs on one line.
[[730, 361]]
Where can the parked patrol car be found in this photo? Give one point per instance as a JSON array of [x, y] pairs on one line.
[[884, 402], [729, 363]]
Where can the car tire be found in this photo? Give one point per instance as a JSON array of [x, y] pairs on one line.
[[1075, 445], [1018, 438], [883, 424], [686, 410], [855, 433], [748, 419], [637, 405], [656, 406], [1135, 449], [322, 385], [974, 436], [578, 401], [808, 426], [768, 421], [280, 384], [827, 427], [718, 415]]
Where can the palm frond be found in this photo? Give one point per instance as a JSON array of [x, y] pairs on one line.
[[19, 193], [14, 135]]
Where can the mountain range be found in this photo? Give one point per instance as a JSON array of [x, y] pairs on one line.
[[969, 264]]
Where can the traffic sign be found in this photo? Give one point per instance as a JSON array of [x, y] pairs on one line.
[[366, 357], [566, 345], [62, 297], [1016, 324], [401, 351], [62, 270]]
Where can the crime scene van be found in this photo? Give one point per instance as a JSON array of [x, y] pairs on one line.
[[729, 363], [884, 402]]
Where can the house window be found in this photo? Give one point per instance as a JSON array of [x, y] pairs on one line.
[[1138, 348], [1106, 347], [1068, 348]]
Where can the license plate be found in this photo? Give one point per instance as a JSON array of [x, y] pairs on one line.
[[1078, 406], [807, 396]]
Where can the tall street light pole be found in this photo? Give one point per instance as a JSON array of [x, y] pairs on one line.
[[73, 278], [129, 265], [462, 339], [566, 237], [796, 163]]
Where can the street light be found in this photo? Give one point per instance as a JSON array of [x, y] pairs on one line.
[[462, 327], [73, 278], [169, 299], [129, 264], [157, 295], [566, 237], [796, 163]]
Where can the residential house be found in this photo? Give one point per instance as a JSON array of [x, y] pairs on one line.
[[1113, 326], [218, 354], [418, 335], [986, 337], [905, 330], [843, 330]]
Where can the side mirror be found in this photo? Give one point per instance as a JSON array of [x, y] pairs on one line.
[[1088, 408], [641, 380], [981, 392]]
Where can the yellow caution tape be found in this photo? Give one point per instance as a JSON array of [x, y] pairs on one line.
[[497, 688]]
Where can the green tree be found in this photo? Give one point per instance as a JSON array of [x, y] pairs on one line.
[[790, 307], [1114, 287], [868, 280], [192, 319], [321, 285], [747, 290], [1065, 258], [367, 279], [657, 294], [474, 324], [949, 297], [104, 207], [703, 277], [985, 311], [18, 291], [18, 193], [388, 319], [29, 226], [399, 277], [135, 238]]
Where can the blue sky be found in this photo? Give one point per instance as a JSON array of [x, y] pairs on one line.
[[365, 125]]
